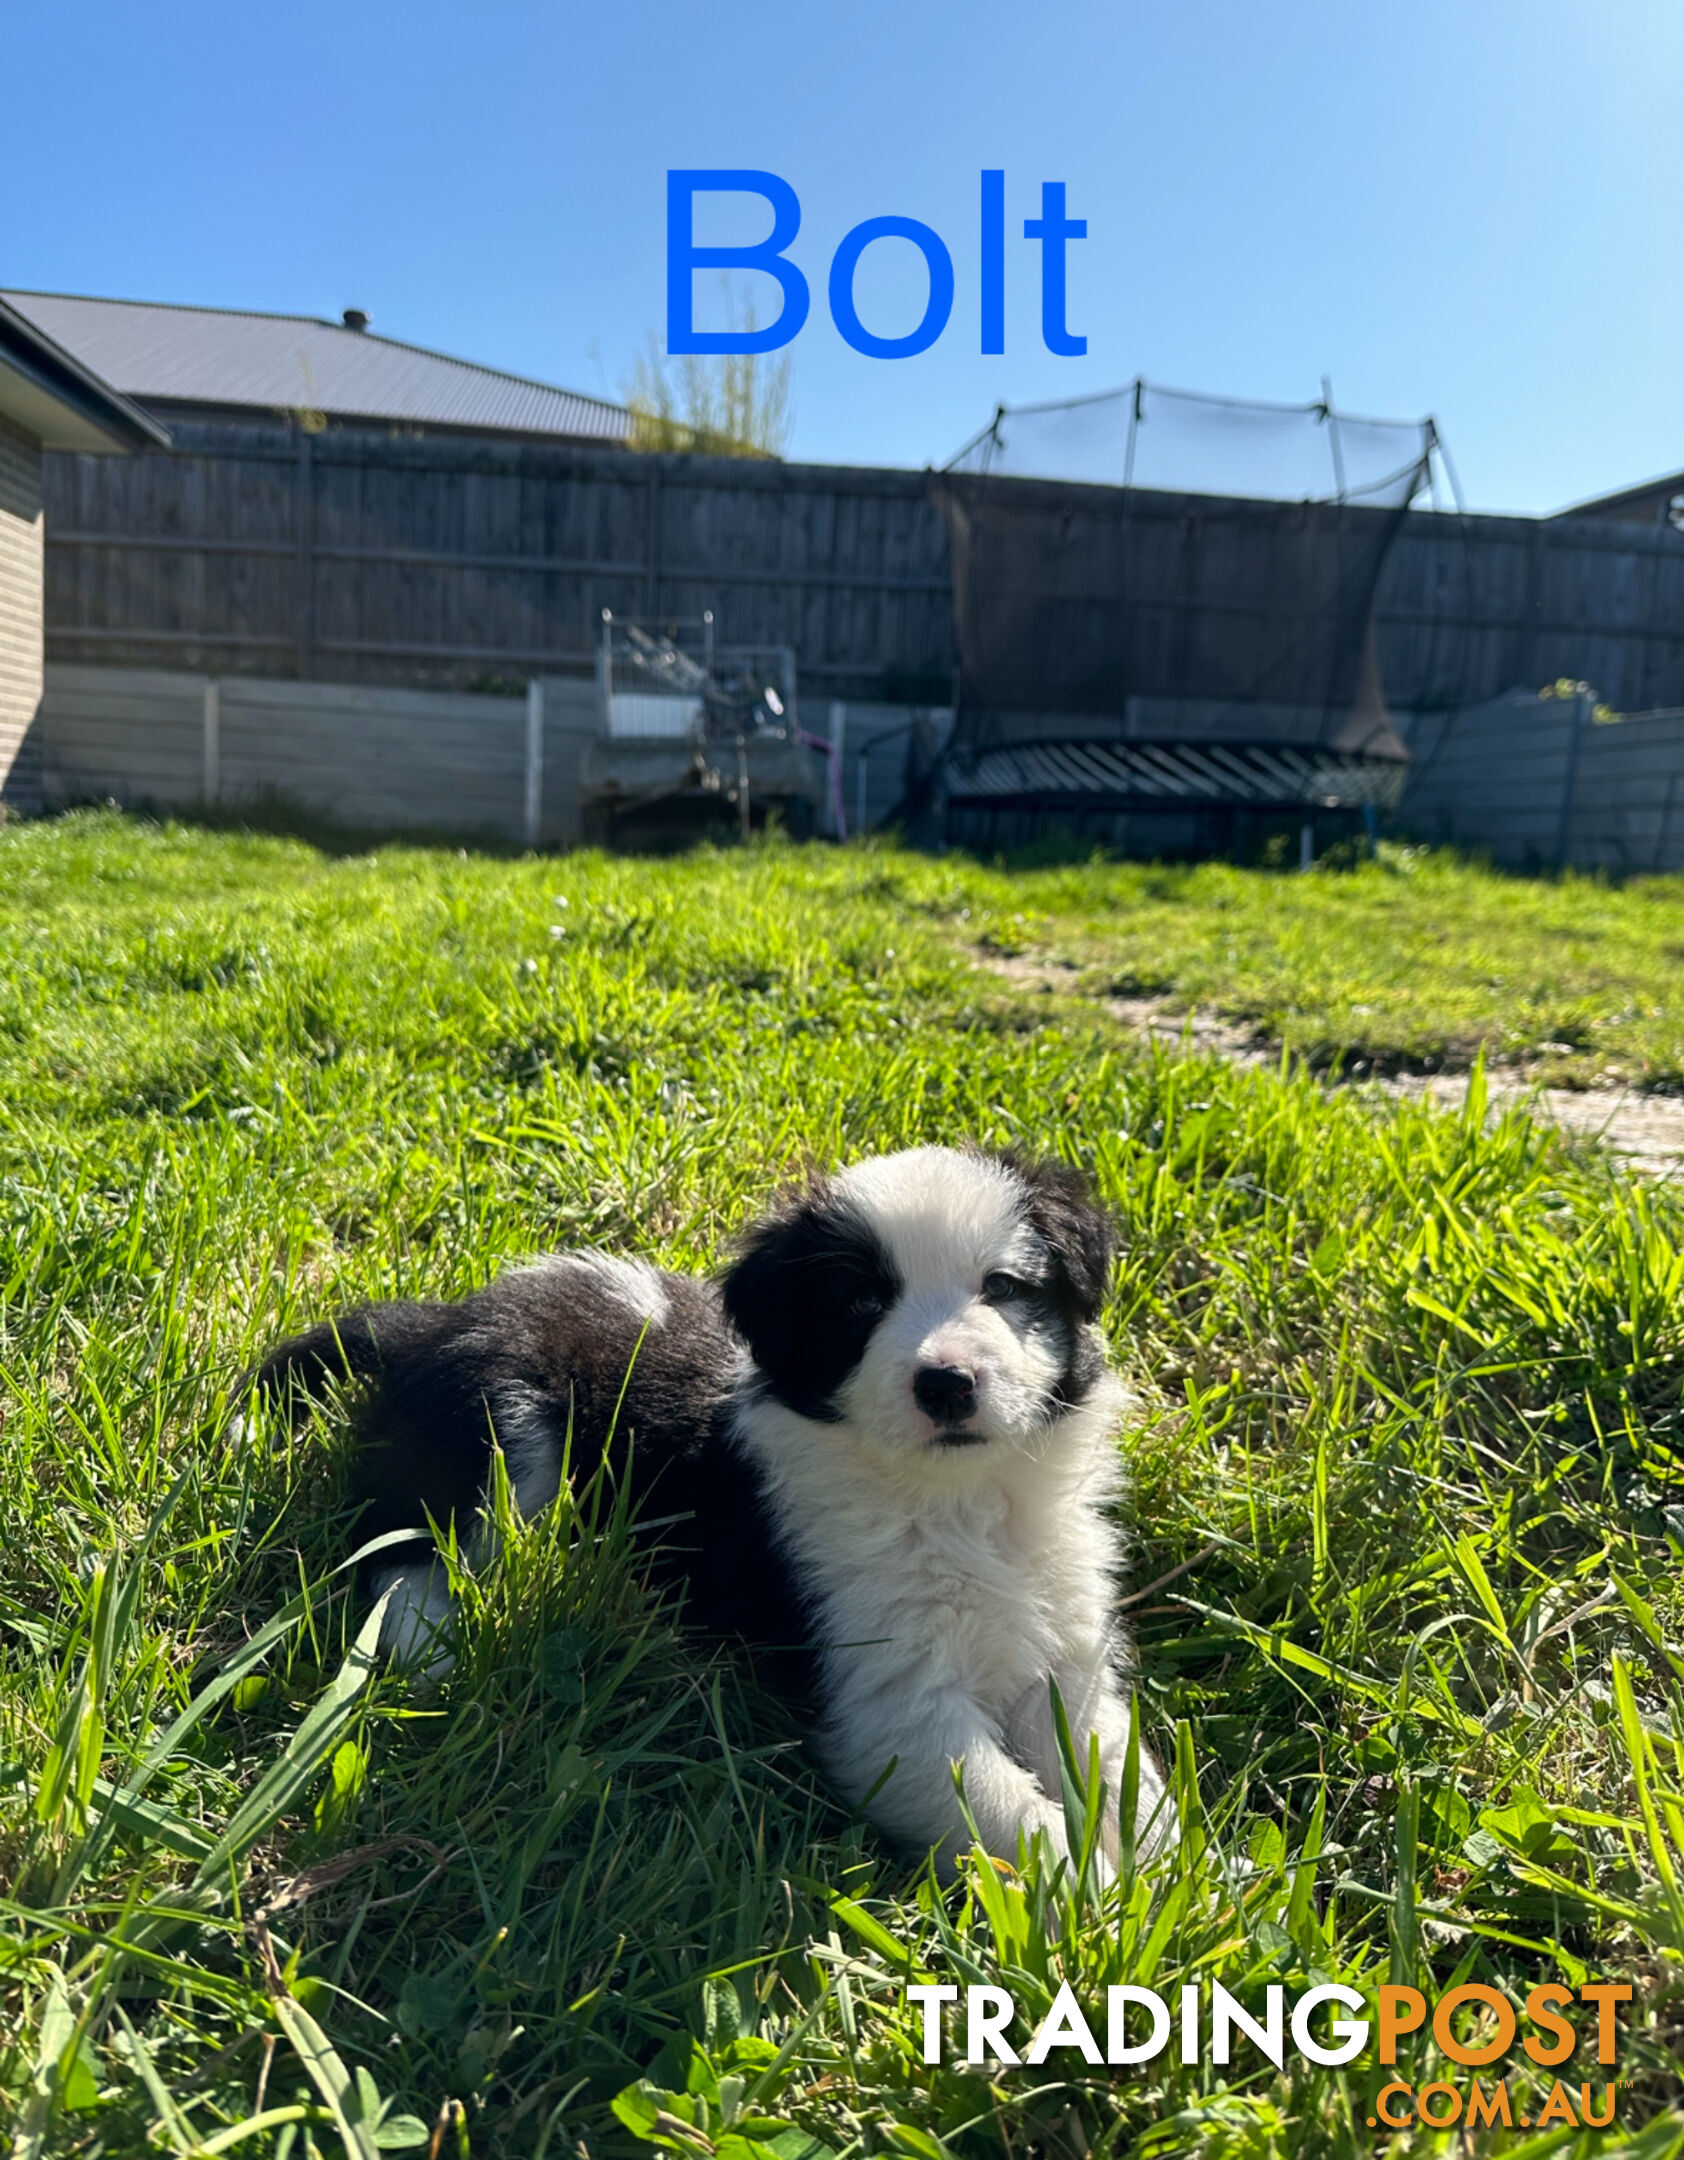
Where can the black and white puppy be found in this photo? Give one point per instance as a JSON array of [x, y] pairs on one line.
[[889, 1436]]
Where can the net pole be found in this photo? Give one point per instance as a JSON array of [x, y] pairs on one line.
[[1134, 422], [1333, 442], [1450, 473]]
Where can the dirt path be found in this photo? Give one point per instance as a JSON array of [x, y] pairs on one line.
[[1646, 1130]]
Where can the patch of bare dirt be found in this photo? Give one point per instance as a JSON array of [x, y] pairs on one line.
[[1646, 1131], [1147, 1016]]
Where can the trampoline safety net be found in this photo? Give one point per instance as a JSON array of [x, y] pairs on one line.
[[1146, 621]]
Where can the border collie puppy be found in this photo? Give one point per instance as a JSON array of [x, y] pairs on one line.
[[889, 1436]]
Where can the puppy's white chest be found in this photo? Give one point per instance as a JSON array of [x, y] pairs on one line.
[[962, 1595]]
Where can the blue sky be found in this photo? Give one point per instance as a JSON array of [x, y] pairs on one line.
[[1464, 207]]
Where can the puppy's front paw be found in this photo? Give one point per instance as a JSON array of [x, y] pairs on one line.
[[1044, 1820], [1049, 1824]]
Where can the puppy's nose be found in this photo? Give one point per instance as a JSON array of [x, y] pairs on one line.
[[946, 1392]]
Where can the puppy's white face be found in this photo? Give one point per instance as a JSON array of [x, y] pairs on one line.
[[939, 1305], [969, 1346]]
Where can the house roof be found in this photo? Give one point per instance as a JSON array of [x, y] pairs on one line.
[[170, 355], [1650, 495], [56, 397]]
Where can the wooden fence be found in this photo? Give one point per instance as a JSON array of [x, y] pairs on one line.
[[359, 557], [1472, 607], [362, 558]]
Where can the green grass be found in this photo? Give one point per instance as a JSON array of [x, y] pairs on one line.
[[1417, 962], [1411, 1392]]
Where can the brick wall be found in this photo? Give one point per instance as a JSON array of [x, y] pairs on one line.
[[22, 557]]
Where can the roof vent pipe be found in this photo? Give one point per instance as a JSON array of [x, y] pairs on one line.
[[356, 318]]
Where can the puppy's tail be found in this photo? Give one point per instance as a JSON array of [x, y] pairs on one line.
[[356, 1346]]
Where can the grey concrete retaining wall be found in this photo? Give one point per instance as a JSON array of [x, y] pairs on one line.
[[1538, 784], [379, 757], [386, 758]]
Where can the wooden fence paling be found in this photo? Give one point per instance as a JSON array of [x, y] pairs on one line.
[[305, 515]]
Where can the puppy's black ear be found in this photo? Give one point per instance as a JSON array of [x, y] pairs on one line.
[[763, 1291], [1065, 1215], [807, 1288]]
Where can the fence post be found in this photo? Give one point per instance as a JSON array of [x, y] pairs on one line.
[[838, 733], [533, 806], [1665, 832], [1584, 704], [212, 776], [652, 564], [305, 541]]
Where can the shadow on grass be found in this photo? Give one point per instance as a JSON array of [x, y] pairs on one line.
[[275, 813]]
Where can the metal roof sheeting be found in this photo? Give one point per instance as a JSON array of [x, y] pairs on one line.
[[59, 401], [212, 356]]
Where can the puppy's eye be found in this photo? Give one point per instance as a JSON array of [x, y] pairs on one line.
[[866, 1307], [1001, 1288]]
